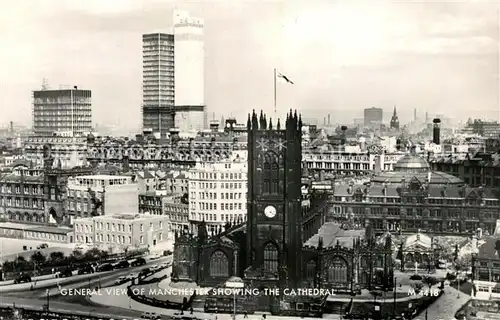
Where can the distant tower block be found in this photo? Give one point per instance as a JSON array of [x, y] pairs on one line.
[[436, 133], [343, 135]]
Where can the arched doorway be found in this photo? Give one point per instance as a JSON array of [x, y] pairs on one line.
[[54, 215]]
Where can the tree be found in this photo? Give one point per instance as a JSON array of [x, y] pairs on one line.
[[76, 256], [38, 258], [56, 257], [93, 254], [464, 262]]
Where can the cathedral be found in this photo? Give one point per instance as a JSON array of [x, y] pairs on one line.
[[269, 249]]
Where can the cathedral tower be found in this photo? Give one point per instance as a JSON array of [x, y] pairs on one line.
[[274, 224]]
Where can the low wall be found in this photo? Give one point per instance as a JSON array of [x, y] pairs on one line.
[[185, 305]]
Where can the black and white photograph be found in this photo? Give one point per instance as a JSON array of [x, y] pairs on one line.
[[249, 159]]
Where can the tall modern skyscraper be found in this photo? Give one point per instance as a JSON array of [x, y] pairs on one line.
[[158, 82], [66, 112], [189, 72]]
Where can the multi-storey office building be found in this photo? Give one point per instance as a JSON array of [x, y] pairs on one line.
[[97, 195], [373, 116], [158, 91], [189, 72], [22, 197], [62, 111], [480, 169], [218, 193], [121, 231], [414, 198], [172, 206], [151, 202], [177, 213]]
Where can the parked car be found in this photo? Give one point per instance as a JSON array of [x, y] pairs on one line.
[[65, 273], [105, 267], [164, 265], [122, 264], [23, 278], [42, 246], [87, 269], [138, 262]]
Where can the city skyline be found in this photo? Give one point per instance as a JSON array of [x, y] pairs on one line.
[[436, 57]]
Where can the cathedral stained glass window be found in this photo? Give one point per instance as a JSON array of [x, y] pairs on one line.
[[270, 258], [337, 271], [219, 264]]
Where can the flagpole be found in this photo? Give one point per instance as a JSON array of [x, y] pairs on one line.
[[274, 91]]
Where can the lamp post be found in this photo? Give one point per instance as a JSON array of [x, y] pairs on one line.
[[47, 292], [395, 288], [235, 283]]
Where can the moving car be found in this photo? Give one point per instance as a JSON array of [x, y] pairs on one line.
[[156, 256], [22, 279], [155, 267], [144, 272], [121, 280], [43, 246], [150, 315], [105, 267], [138, 262], [132, 276]]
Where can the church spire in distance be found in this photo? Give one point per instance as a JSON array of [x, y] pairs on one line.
[[395, 120]]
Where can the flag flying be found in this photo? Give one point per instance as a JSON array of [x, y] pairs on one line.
[[282, 76]]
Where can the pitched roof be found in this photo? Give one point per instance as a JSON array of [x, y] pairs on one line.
[[331, 233], [487, 249]]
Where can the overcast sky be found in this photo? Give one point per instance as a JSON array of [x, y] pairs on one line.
[[440, 57]]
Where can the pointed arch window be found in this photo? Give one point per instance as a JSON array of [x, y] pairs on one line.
[[270, 258], [266, 177], [274, 177], [219, 264]]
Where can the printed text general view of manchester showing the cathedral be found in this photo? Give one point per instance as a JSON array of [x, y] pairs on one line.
[[261, 160]]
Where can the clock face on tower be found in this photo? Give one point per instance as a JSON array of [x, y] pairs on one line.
[[270, 211]]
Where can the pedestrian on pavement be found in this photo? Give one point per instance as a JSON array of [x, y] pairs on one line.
[[245, 315]]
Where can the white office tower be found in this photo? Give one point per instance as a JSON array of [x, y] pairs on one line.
[[189, 70]]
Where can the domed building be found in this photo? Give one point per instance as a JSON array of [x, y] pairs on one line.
[[413, 166], [414, 198]]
